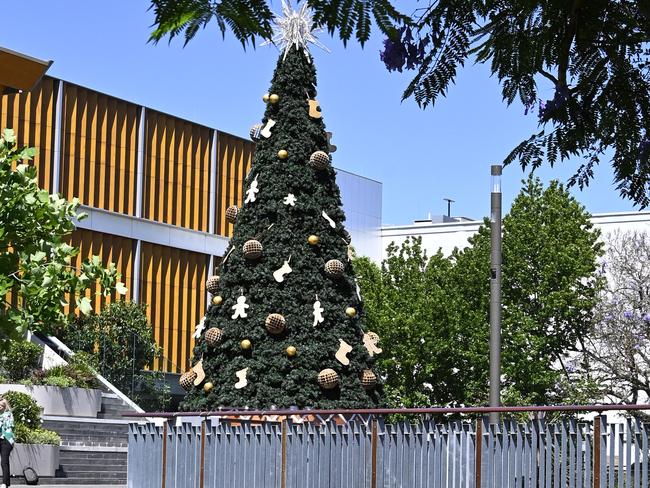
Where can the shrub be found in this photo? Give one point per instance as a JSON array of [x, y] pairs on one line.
[[25, 435], [21, 358], [78, 373], [121, 340], [24, 408], [60, 381]]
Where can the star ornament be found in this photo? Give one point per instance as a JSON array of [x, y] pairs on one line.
[[294, 28]]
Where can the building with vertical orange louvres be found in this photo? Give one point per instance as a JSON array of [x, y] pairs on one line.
[[156, 189]]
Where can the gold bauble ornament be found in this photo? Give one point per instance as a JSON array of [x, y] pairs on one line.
[[274, 98], [245, 344], [266, 97], [291, 351], [313, 240], [217, 300], [283, 154], [208, 387], [351, 312]]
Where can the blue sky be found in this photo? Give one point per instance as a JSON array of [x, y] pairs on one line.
[[420, 156]]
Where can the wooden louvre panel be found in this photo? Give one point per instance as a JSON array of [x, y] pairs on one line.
[[176, 171], [99, 151], [110, 249], [172, 284], [31, 116], [234, 158]]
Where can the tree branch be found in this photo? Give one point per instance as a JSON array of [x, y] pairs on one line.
[[548, 75]]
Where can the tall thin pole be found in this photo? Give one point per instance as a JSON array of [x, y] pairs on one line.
[[495, 292]]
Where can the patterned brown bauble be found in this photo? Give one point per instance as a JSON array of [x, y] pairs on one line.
[[252, 249], [213, 336], [187, 380], [328, 379], [368, 379], [334, 268], [255, 132], [275, 323], [212, 285], [231, 213], [319, 160]]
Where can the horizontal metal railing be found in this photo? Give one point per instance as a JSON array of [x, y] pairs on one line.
[[228, 412]]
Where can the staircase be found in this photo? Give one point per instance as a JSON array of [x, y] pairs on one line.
[[93, 451]]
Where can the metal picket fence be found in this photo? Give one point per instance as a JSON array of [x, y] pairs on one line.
[[214, 452]]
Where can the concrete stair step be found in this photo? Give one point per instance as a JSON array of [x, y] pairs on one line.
[[73, 467], [91, 475], [47, 482]]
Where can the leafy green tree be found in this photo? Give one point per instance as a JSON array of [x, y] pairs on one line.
[[594, 54], [433, 314], [550, 287], [408, 305], [121, 341], [36, 278]]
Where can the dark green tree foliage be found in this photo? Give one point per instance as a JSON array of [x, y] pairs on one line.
[[433, 314], [408, 304], [274, 379], [595, 54]]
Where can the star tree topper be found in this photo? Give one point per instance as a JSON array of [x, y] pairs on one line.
[[294, 28]]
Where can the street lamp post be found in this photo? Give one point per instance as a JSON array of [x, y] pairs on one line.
[[495, 292]]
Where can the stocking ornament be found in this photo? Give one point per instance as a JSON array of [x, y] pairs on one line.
[[200, 374], [241, 376], [342, 354], [279, 274]]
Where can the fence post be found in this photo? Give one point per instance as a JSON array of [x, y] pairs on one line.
[[597, 452], [164, 455], [373, 444], [479, 450], [202, 465], [283, 474]]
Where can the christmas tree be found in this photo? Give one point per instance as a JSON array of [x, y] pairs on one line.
[[284, 326]]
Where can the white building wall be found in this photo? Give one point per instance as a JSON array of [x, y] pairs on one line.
[[447, 236]]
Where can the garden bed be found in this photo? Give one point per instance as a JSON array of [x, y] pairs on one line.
[[43, 458], [68, 402]]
